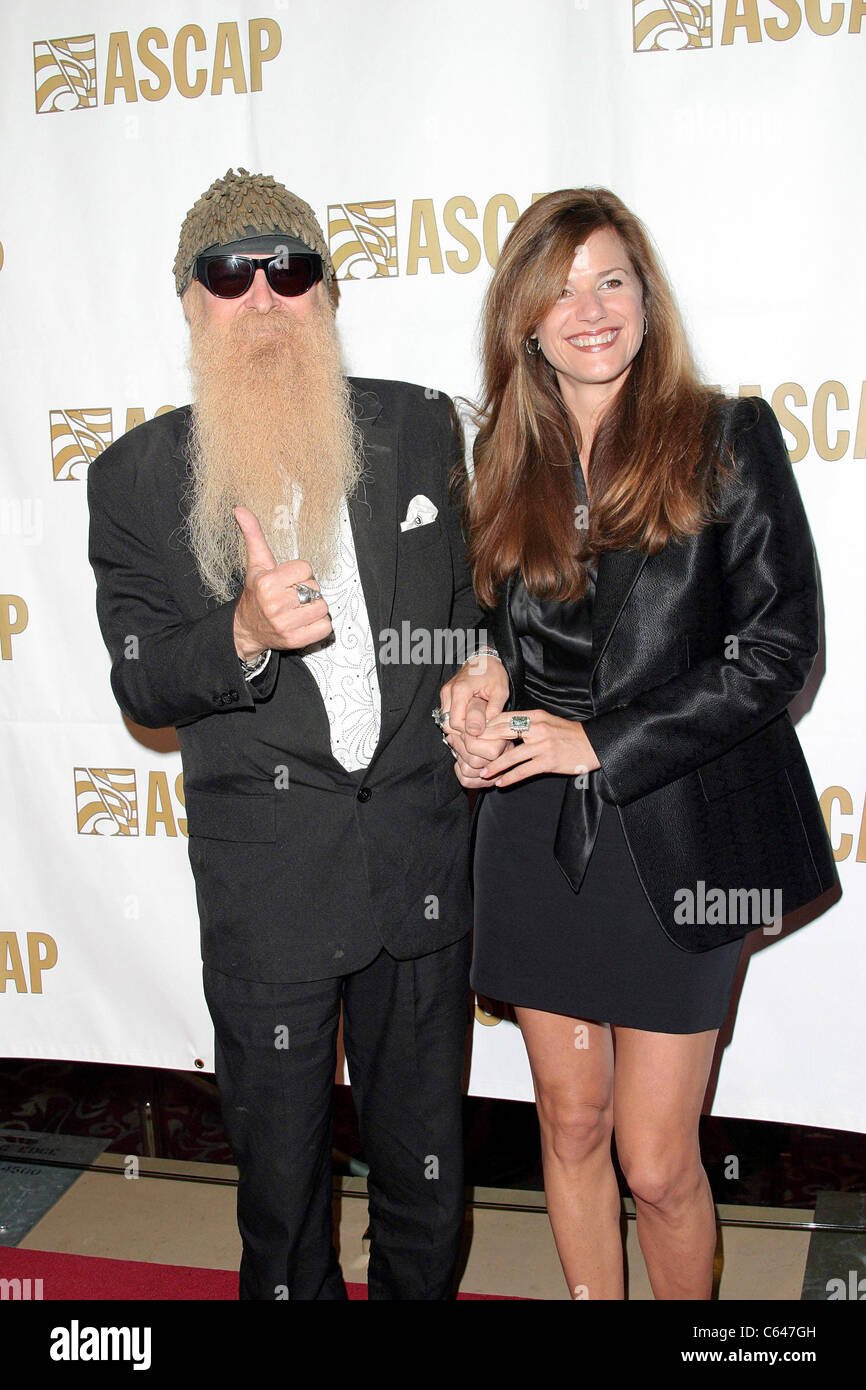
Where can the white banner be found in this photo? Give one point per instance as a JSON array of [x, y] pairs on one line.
[[418, 133]]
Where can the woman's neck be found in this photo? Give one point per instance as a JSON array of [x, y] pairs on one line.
[[586, 409]]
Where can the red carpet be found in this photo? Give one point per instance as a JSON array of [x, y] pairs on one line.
[[87, 1278]]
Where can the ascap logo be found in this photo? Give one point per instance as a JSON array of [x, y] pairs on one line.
[[745, 16], [363, 239], [106, 803], [39, 952], [66, 73], [666, 25], [823, 429], [662, 26], [13, 619], [841, 798], [363, 236], [78, 436]]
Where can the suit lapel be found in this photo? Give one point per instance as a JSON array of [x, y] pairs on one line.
[[618, 571], [373, 514]]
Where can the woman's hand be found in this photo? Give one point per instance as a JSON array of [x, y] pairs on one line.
[[550, 744], [478, 692]]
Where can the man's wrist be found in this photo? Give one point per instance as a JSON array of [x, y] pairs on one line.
[[248, 652], [483, 651], [246, 647]]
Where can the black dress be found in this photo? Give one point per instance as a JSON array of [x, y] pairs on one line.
[[599, 953]]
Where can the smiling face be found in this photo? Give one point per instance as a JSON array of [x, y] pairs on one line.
[[595, 330]]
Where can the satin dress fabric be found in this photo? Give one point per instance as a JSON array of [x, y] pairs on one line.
[[598, 953]]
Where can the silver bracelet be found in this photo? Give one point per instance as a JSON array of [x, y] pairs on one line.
[[252, 668], [485, 651]]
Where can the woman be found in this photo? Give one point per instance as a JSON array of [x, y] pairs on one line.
[[646, 569]]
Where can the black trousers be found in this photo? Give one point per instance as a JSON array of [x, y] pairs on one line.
[[404, 1031]]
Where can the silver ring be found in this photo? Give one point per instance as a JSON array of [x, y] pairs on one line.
[[305, 593], [441, 717], [518, 723]]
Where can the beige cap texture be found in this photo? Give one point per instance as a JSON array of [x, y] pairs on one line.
[[241, 205]]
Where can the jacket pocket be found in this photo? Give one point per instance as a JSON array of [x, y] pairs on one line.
[[416, 538], [231, 816], [759, 756]]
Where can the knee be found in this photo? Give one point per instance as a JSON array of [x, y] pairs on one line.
[[574, 1131], [663, 1181]]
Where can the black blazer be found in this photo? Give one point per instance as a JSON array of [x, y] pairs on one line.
[[309, 880], [697, 750]]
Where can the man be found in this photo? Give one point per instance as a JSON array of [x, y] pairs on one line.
[[255, 554]]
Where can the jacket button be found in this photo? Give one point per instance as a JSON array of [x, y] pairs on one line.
[[364, 794], [232, 696]]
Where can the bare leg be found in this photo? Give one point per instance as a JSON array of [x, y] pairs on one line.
[[572, 1071], [659, 1085]]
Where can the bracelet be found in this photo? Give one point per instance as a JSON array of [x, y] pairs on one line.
[[252, 668], [485, 651]]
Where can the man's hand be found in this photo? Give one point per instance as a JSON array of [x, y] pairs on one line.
[[269, 613], [477, 693]]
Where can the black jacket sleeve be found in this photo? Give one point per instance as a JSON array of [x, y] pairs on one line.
[[771, 607], [166, 669]]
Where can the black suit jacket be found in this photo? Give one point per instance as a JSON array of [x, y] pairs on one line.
[[308, 880], [697, 750]]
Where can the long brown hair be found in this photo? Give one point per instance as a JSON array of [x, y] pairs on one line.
[[652, 465]]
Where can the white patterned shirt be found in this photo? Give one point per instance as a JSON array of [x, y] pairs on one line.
[[344, 664]]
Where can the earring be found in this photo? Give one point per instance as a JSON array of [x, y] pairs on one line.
[[645, 325], [533, 351]]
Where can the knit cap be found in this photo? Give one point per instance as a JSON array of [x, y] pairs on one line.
[[243, 205]]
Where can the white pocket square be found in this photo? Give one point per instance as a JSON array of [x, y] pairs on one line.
[[420, 512]]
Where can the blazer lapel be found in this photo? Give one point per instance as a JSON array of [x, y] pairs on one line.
[[373, 514], [617, 574]]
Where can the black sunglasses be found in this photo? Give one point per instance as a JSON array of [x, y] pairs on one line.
[[228, 277]]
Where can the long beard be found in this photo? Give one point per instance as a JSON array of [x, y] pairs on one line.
[[271, 421]]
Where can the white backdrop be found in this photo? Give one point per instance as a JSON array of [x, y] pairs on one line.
[[418, 133]]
